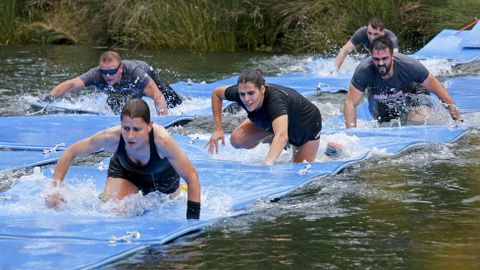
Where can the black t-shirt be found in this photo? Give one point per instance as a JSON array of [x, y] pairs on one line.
[[360, 37], [135, 77], [385, 95], [304, 119]]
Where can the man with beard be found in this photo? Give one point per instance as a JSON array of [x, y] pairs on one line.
[[397, 88]]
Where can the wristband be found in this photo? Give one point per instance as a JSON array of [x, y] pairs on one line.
[[193, 210], [47, 98]]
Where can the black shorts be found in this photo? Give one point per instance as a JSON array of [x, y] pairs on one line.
[[306, 132], [399, 109], [173, 99], [166, 181]]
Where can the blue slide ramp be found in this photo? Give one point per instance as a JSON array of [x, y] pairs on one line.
[[459, 46]]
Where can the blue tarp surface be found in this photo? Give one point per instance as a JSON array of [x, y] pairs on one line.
[[472, 38], [453, 45], [44, 238], [40, 133]]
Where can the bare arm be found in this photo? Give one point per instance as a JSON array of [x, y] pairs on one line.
[[346, 49], [66, 86], [433, 85], [153, 92], [351, 101], [280, 137], [167, 147], [106, 139], [218, 95]]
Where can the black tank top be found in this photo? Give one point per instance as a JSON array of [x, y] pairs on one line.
[[155, 163], [157, 174]]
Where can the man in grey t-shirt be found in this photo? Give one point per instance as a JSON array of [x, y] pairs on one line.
[[122, 80], [365, 35], [396, 87]]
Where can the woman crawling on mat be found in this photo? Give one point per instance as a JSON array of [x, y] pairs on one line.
[[146, 159], [276, 114]]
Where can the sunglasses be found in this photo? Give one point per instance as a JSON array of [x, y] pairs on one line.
[[110, 72]]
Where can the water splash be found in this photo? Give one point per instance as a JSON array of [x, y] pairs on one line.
[[81, 196]]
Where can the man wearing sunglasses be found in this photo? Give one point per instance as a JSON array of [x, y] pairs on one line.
[[121, 80], [365, 35], [397, 86]]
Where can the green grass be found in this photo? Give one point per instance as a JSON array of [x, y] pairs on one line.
[[320, 26], [8, 16]]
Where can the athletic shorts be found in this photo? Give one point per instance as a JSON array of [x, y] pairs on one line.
[[309, 132], [173, 99], [166, 182], [398, 109]]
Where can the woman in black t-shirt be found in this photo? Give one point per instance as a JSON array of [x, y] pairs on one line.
[[275, 113]]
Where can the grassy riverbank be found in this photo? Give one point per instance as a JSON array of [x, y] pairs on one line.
[[320, 26]]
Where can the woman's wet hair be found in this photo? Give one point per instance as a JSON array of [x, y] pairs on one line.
[[136, 107], [382, 43], [253, 75]]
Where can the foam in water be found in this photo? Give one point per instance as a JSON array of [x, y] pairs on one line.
[[326, 66], [192, 106], [97, 102], [438, 66], [256, 156], [284, 64], [82, 199], [94, 102]]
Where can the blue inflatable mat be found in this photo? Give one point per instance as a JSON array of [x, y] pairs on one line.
[[44, 132], [466, 85], [465, 91], [21, 159], [448, 45], [333, 84], [472, 38], [84, 235], [53, 132], [53, 107]]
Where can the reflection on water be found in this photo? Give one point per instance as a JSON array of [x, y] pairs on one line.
[[418, 210]]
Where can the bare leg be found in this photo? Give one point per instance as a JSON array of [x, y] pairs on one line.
[[419, 115], [306, 152], [247, 135], [118, 188]]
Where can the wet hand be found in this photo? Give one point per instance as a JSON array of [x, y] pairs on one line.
[[454, 112], [46, 98], [54, 200], [213, 142], [268, 163]]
